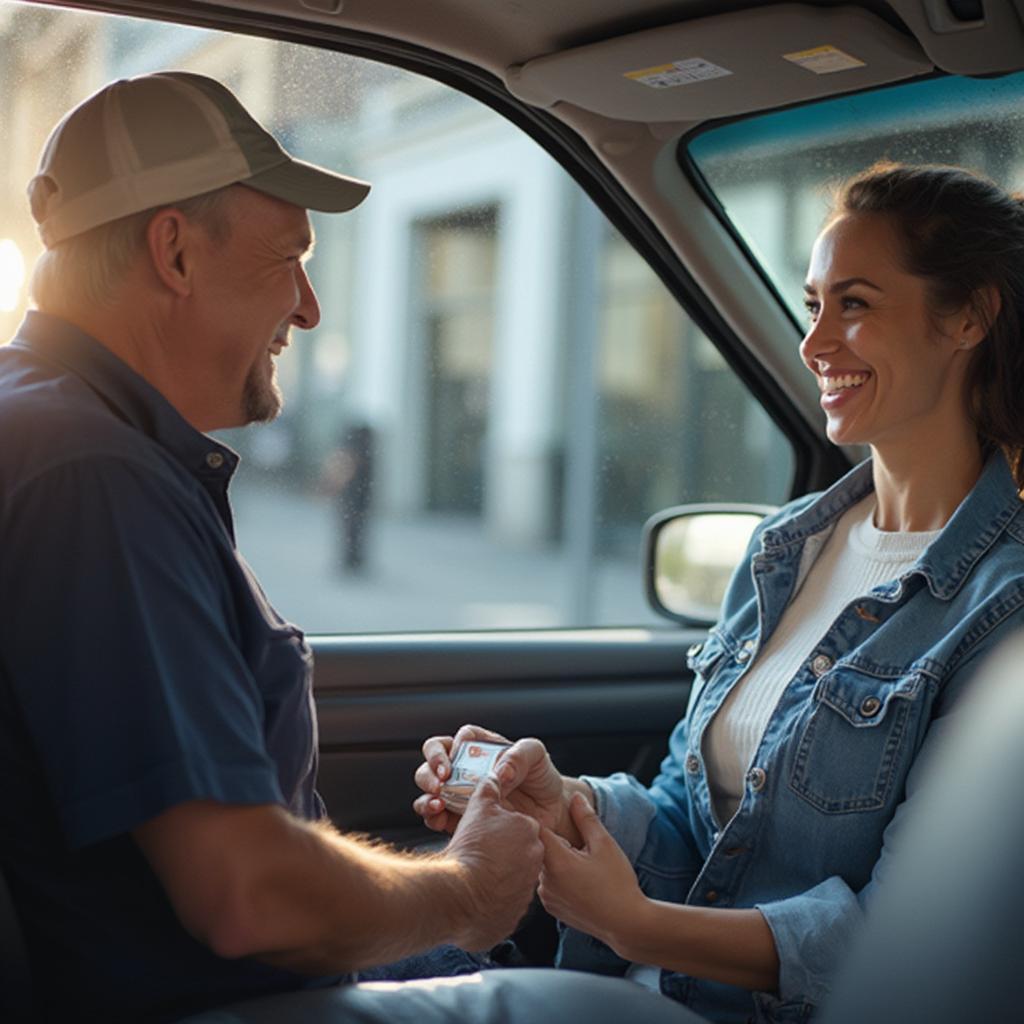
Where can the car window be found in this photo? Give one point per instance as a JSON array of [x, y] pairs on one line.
[[500, 390], [773, 173]]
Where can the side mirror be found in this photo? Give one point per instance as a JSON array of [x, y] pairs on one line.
[[689, 554]]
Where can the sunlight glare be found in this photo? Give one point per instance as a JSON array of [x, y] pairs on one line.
[[12, 275]]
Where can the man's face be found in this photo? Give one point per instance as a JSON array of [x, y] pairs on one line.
[[254, 289]]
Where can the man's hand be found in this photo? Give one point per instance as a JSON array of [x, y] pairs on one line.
[[593, 889], [501, 853], [530, 783]]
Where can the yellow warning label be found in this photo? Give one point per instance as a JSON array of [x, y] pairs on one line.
[[824, 60], [679, 72], [658, 69]]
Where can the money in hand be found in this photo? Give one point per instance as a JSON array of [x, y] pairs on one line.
[[472, 762]]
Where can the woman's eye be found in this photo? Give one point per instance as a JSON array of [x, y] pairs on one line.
[[850, 302], [812, 308]]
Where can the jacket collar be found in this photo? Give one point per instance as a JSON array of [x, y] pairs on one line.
[[990, 506]]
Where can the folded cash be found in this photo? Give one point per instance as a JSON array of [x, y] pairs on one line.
[[472, 763]]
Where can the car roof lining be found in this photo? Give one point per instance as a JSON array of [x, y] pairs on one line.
[[516, 32]]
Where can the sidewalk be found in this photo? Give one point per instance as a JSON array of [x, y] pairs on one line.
[[428, 573]]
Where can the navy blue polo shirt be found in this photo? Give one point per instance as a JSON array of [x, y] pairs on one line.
[[140, 666]]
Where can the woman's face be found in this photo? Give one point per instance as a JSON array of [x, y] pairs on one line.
[[888, 371]]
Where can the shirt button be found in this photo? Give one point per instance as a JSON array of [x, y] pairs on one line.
[[821, 664], [692, 764], [757, 778], [214, 460], [870, 707]]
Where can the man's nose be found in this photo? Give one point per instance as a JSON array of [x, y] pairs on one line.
[[307, 313]]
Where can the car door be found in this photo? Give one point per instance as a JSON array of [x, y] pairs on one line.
[[532, 372]]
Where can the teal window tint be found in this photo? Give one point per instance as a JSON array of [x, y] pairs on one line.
[[773, 173]]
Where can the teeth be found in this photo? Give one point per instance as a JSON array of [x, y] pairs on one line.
[[848, 380]]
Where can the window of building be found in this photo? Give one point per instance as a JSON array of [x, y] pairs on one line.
[[500, 391]]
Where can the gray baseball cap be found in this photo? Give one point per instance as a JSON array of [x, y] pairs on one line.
[[159, 139]]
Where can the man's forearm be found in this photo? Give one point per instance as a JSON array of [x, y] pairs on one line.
[[343, 904], [255, 881]]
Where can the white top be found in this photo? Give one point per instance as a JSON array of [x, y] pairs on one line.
[[856, 558], [834, 570]]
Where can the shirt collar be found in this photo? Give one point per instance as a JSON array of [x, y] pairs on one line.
[[129, 396]]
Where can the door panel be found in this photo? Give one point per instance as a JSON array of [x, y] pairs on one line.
[[602, 700]]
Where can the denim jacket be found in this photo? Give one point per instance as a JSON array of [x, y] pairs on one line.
[[827, 788]]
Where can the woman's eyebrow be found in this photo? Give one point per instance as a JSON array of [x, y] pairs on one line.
[[839, 286]]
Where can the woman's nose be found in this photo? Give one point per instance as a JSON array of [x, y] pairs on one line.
[[819, 339]]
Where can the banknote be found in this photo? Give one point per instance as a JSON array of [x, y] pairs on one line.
[[472, 762]]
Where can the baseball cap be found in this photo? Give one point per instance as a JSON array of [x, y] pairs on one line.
[[161, 138]]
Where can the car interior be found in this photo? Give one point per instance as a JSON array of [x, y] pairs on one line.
[[640, 294]]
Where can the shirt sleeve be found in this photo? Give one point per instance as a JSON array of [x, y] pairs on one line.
[[652, 824], [119, 642]]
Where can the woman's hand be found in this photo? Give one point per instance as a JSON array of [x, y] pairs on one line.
[[530, 783], [593, 889]]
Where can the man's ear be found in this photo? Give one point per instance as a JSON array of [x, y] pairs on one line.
[[979, 315], [170, 239]]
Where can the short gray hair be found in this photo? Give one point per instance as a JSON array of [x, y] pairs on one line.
[[87, 269]]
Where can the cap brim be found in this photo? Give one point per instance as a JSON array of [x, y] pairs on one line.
[[310, 187]]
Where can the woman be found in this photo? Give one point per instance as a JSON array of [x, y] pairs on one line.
[[854, 624]]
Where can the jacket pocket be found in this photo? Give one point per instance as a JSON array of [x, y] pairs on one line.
[[850, 755]]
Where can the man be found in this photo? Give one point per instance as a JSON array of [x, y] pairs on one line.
[[160, 831]]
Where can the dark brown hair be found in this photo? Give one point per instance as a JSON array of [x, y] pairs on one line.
[[964, 235]]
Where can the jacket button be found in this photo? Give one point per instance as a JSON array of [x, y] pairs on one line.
[[870, 706], [866, 614], [693, 650], [692, 764], [757, 778], [214, 460], [821, 664], [743, 654], [711, 896]]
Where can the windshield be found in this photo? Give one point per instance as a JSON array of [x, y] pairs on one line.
[[773, 174]]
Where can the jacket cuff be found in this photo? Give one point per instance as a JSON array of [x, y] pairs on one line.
[[625, 809], [812, 932]]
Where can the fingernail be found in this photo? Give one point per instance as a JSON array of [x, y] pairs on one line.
[[506, 773], [442, 771]]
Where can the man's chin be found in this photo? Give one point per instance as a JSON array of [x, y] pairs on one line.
[[262, 404]]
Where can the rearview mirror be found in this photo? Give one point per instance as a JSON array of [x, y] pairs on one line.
[[690, 552]]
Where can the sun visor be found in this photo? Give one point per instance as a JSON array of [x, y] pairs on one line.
[[724, 65]]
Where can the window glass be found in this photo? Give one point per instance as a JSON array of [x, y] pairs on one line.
[[773, 173], [500, 391]]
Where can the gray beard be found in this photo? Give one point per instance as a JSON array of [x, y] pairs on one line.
[[261, 399]]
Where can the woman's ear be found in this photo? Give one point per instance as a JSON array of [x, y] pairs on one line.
[[169, 239], [978, 316]]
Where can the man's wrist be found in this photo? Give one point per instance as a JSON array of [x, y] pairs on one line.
[[449, 891]]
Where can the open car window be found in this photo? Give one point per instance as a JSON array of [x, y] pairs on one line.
[[500, 391], [773, 173]]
